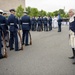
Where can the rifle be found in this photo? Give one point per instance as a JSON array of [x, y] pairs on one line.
[[5, 51], [20, 39], [30, 38]]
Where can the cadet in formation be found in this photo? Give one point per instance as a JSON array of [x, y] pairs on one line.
[[26, 26], [45, 21], [39, 22], [42, 23], [33, 24], [6, 31], [13, 28], [3, 28], [50, 23]]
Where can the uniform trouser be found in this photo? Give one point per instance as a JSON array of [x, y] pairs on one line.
[[39, 28], [0, 45], [50, 27], [13, 37], [25, 36], [5, 33], [59, 27], [45, 28], [33, 27], [42, 26]]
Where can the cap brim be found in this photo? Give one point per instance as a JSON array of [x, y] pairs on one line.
[[1, 11]]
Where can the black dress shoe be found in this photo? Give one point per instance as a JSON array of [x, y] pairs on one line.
[[22, 43], [71, 57], [11, 49], [59, 31], [7, 46], [17, 50], [73, 63], [26, 44], [2, 57]]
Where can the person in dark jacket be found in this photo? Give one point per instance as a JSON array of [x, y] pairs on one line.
[[45, 21], [50, 23], [39, 22], [26, 26], [33, 24], [59, 23], [5, 28], [2, 23], [42, 23], [13, 28]]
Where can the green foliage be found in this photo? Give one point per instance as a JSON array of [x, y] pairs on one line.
[[42, 13], [56, 13], [19, 11], [66, 15], [50, 14], [61, 11], [35, 12], [28, 9]]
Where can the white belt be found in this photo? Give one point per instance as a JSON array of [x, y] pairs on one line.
[[11, 23], [25, 23]]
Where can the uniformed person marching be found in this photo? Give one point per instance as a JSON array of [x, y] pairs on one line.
[[12, 22], [2, 23], [26, 26]]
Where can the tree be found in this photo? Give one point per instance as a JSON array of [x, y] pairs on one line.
[[19, 11], [56, 13], [50, 14], [28, 9], [34, 12], [66, 15], [61, 11], [42, 13]]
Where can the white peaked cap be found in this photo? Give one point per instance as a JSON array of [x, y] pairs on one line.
[[1, 11]]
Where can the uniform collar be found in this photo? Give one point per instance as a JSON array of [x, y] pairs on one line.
[[71, 18]]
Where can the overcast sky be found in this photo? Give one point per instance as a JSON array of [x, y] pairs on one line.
[[51, 5]]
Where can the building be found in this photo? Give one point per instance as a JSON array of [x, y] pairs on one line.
[[6, 5]]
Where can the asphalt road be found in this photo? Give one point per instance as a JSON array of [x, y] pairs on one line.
[[48, 55]]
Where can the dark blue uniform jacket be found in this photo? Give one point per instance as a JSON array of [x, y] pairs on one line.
[[3, 23], [13, 21], [26, 22]]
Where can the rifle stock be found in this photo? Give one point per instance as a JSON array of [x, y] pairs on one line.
[[20, 40], [30, 38], [5, 51]]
